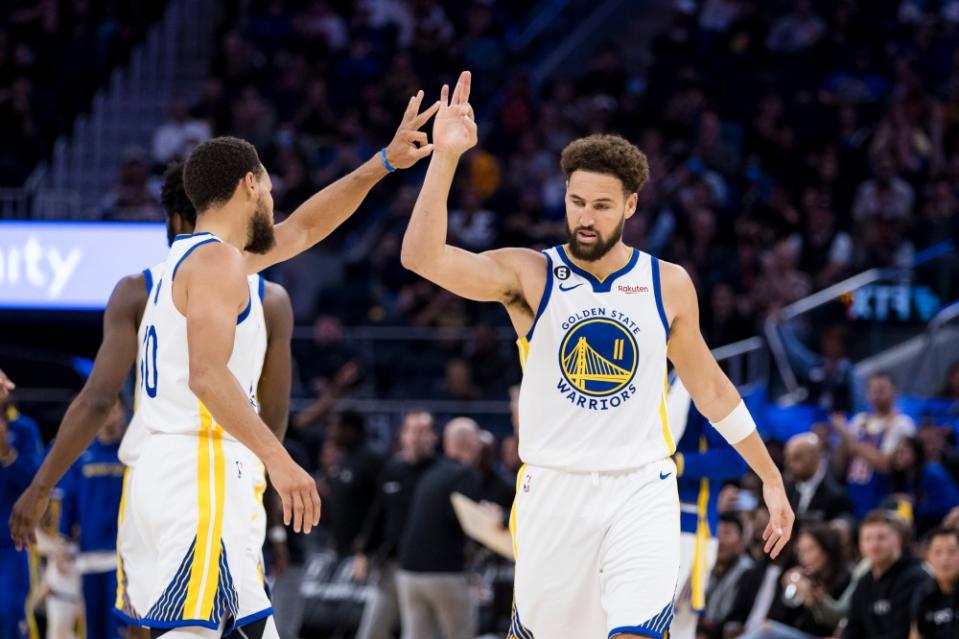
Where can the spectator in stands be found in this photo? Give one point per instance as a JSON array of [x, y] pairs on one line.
[[352, 477], [132, 198], [176, 137], [886, 196], [510, 462], [494, 488], [925, 481], [432, 583], [20, 455], [940, 215], [881, 602], [813, 493], [830, 375], [91, 500], [950, 389], [827, 252], [380, 540], [470, 225], [806, 598], [868, 441], [796, 31], [731, 562], [937, 605], [758, 588], [459, 385]]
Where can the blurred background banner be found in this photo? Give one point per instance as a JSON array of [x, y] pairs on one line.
[[72, 266]]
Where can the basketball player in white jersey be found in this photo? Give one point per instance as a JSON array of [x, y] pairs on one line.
[[596, 518], [121, 340], [270, 308], [243, 215]]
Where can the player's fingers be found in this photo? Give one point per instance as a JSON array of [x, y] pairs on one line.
[[423, 151], [287, 508], [297, 511], [783, 540], [425, 116], [418, 137], [444, 96], [307, 511], [457, 89], [410, 111], [467, 79], [461, 92], [317, 505]]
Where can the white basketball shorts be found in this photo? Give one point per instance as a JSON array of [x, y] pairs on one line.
[[597, 554], [186, 542]]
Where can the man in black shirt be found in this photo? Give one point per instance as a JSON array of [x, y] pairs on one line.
[[381, 535], [813, 493], [432, 583], [937, 606], [353, 481], [880, 606]]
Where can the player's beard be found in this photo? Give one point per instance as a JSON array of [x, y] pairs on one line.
[[260, 238], [602, 246]]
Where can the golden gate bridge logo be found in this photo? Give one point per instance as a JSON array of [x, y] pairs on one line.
[[599, 357]]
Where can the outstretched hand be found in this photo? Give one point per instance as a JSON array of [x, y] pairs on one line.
[[26, 515], [454, 129], [410, 145], [781, 518]]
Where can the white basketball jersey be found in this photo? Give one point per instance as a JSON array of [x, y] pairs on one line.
[[164, 402], [594, 369]]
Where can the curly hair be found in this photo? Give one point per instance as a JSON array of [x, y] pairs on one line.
[[214, 169], [173, 196], [609, 154]]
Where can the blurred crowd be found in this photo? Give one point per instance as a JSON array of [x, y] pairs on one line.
[[791, 144], [875, 551], [53, 55]]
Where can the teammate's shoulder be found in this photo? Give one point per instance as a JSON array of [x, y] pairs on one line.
[[130, 291], [274, 291], [276, 302]]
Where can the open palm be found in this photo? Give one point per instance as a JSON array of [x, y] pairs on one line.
[[454, 129]]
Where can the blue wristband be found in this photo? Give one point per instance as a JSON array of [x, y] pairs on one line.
[[386, 162]]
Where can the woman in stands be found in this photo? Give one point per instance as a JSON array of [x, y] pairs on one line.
[[806, 602]]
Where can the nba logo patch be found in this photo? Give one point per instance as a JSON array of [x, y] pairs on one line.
[[526, 481]]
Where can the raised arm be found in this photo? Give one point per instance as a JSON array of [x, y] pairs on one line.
[[323, 212], [90, 408], [483, 277], [717, 398], [211, 291]]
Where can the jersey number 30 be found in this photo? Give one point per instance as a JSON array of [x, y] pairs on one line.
[[148, 365]]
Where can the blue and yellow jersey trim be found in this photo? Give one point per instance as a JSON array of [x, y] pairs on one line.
[[699, 577]]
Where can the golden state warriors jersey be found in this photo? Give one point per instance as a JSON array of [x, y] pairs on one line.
[[593, 396], [164, 401]]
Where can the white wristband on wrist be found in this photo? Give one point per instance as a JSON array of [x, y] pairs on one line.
[[737, 425]]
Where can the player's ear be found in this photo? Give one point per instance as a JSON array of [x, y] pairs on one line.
[[250, 184], [631, 203]]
